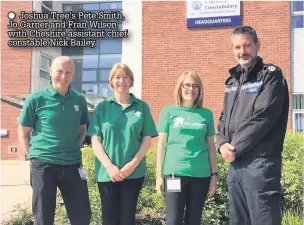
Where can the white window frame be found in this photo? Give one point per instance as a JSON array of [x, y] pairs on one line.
[[41, 68], [296, 111], [298, 13], [43, 5]]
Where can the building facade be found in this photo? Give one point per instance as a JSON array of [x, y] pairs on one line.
[[159, 48]]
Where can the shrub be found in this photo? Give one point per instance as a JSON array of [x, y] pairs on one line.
[[151, 208], [20, 215], [216, 208], [292, 172], [89, 165], [293, 218]]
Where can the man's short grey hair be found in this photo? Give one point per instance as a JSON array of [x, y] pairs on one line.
[[246, 30]]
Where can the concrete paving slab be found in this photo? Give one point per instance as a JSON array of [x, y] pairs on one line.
[[15, 186]]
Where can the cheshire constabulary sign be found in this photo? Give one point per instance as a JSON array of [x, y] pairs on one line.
[[212, 13]]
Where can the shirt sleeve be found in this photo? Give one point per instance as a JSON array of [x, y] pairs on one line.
[[210, 126], [221, 137], [27, 117], [95, 123], [85, 112], [163, 123], [149, 128]]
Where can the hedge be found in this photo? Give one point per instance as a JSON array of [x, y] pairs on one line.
[[151, 208]]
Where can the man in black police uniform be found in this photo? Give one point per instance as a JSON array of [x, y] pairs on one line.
[[251, 133]]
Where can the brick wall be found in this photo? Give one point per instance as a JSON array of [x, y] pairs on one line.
[[169, 48], [15, 78]]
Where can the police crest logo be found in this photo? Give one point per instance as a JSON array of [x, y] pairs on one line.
[[76, 107], [271, 68], [196, 5]]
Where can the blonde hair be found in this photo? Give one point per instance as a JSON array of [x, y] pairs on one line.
[[125, 68], [198, 103]]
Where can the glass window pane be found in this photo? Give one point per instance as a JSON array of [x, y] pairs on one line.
[[119, 5], [111, 46], [89, 75], [48, 4], [298, 6], [298, 101], [78, 76], [89, 88], [89, 7], [104, 89], [67, 8], [105, 74], [108, 60], [45, 75], [112, 5], [45, 62], [299, 122], [297, 21], [74, 8], [92, 51], [90, 61]]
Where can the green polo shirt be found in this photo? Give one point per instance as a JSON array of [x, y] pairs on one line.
[[186, 151], [121, 130], [56, 121]]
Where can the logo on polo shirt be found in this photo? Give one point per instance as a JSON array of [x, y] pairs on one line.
[[138, 114], [76, 107], [178, 122]]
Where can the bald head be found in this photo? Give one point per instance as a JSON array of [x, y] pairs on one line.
[[63, 60], [62, 72]]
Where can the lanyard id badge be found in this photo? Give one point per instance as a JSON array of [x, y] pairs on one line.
[[83, 173], [173, 184]]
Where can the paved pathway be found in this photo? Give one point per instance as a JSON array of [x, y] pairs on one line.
[[15, 185]]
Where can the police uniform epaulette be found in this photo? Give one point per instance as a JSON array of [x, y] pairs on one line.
[[228, 79], [271, 68]]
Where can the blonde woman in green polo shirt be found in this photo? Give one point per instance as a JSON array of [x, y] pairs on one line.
[[121, 130], [186, 153]]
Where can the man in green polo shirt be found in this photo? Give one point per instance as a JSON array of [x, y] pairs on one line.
[[56, 117]]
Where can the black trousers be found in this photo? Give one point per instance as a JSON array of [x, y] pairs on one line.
[[119, 201], [45, 178], [255, 191], [192, 197]]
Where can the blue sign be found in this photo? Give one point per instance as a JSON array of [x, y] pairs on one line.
[[213, 13]]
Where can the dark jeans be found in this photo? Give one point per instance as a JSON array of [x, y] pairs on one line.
[[119, 201], [45, 178], [255, 192], [192, 196]]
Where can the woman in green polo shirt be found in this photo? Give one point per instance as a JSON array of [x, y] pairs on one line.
[[186, 153], [121, 130]]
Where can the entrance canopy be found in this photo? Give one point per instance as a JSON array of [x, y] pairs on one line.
[[18, 100]]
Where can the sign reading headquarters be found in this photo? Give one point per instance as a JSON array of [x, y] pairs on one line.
[[212, 13]]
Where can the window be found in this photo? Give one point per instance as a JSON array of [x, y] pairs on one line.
[[297, 6], [46, 6], [45, 63], [94, 64], [297, 9], [298, 112]]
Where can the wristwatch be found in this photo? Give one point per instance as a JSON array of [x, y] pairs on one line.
[[214, 174]]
